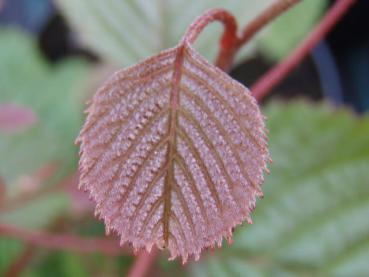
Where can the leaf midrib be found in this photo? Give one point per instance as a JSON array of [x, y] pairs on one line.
[[172, 124]]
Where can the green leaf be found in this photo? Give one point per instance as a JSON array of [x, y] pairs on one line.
[[53, 95], [63, 263], [38, 213], [287, 31], [125, 32], [57, 264], [313, 219], [9, 250]]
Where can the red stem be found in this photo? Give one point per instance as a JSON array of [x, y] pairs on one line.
[[263, 19], [40, 176], [228, 20], [63, 241], [274, 76], [142, 263], [225, 58], [21, 262], [228, 40]]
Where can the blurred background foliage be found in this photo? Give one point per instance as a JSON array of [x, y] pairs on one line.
[[313, 219], [126, 31]]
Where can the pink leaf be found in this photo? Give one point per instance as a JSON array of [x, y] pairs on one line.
[[173, 152], [2, 191], [16, 118]]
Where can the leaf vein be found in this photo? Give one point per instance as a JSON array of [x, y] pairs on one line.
[[102, 115], [148, 190], [210, 144], [225, 103], [186, 210], [223, 132], [149, 215], [188, 175], [211, 185], [180, 229], [123, 198]]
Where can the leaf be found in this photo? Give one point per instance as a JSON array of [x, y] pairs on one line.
[[37, 214], [125, 32], [313, 219], [9, 250], [15, 118], [173, 152], [52, 94], [59, 264], [275, 44]]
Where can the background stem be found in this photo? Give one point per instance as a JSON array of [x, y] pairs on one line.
[[224, 59], [274, 76], [268, 15], [142, 263], [63, 241], [21, 262]]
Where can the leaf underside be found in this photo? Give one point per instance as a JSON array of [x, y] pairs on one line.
[[173, 152]]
